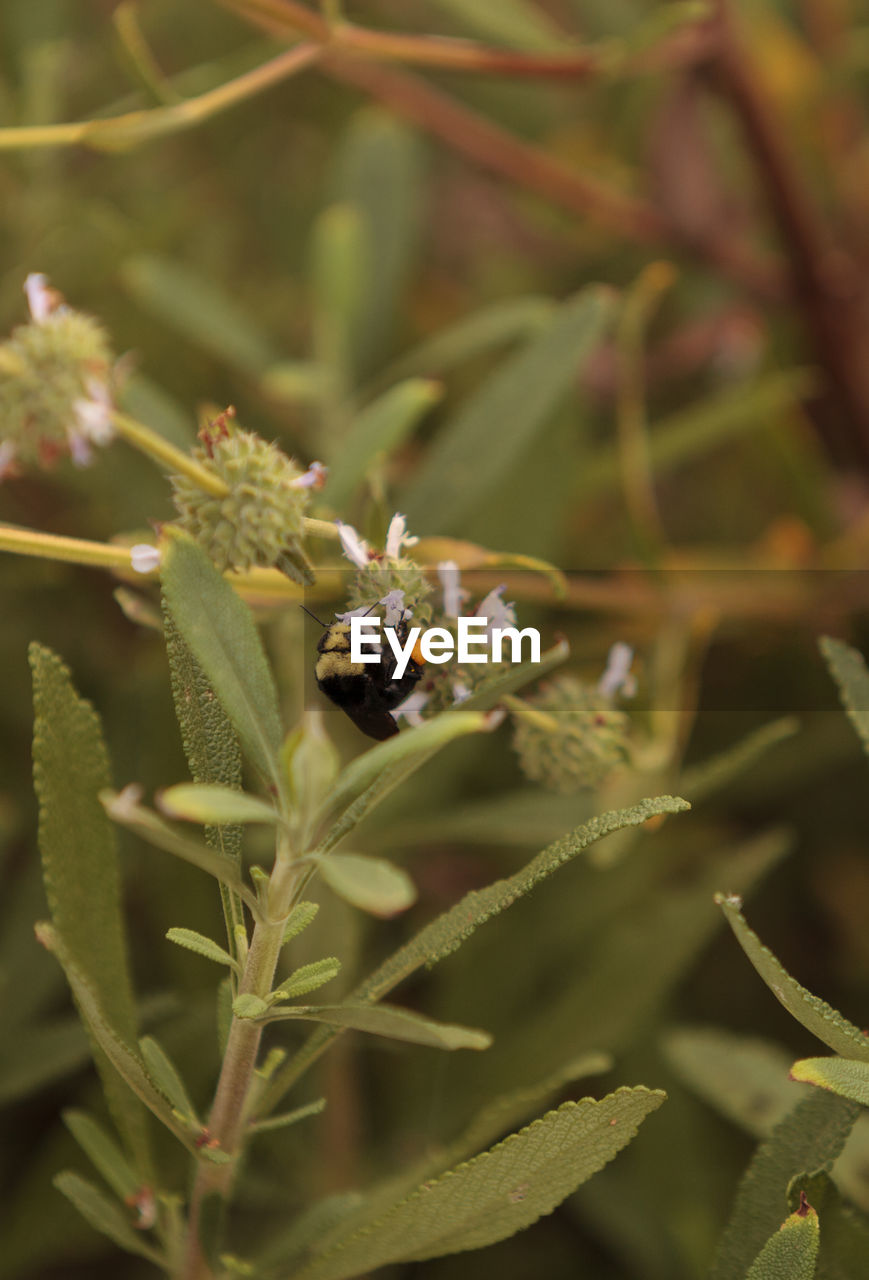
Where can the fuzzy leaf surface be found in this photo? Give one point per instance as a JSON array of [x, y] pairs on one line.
[[792, 1253], [103, 1152], [220, 632], [815, 1014], [810, 1136], [203, 946], [80, 863], [848, 668], [497, 1193], [214, 805], [387, 1020], [844, 1077]]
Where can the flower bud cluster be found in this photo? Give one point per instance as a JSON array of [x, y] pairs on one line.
[[572, 736]]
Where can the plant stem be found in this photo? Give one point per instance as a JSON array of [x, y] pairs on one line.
[[227, 1121], [49, 546], [158, 447]]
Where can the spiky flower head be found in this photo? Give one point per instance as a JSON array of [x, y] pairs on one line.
[[381, 572], [55, 377], [260, 518], [570, 735]]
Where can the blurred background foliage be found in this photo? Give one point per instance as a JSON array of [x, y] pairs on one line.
[[700, 475]]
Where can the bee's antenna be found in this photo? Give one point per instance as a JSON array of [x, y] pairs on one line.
[[313, 615]]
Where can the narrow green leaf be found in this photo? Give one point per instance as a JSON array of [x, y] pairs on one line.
[[372, 884], [497, 1193], [845, 1237], [841, 1076], [812, 1134], [311, 763], [307, 978], [448, 931], [743, 1077], [715, 421], [37, 1056], [390, 1021], [125, 810], [103, 1152], [372, 765], [126, 1061], [848, 669], [497, 325], [214, 805], [221, 633], [165, 1075], [249, 1006], [478, 446], [105, 1216], [379, 173], [80, 864], [212, 750], [815, 1014], [300, 917], [376, 433], [710, 776], [203, 946], [792, 1253], [195, 307], [289, 1118]]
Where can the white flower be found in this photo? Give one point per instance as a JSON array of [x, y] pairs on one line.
[[313, 478], [496, 611], [355, 548], [7, 459], [94, 414], [41, 298], [461, 692], [412, 707], [79, 448], [398, 537], [393, 603], [454, 592], [617, 676], [144, 558]]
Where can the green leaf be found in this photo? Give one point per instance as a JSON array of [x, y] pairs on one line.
[[372, 884], [811, 1135], [816, 1015], [103, 1152], [221, 633], [203, 946], [37, 1056], [80, 865], [792, 1253], [695, 431], [307, 978], [743, 1077], [105, 1216], [497, 1193], [845, 1238], [405, 748], [166, 1077], [849, 671], [125, 810], [311, 763], [195, 307], [378, 172], [841, 1076], [249, 1006], [447, 932], [516, 677], [497, 325], [300, 917], [212, 750], [710, 776], [288, 1118], [126, 1060], [476, 449], [376, 433], [214, 805], [387, 1020], [340, 266]]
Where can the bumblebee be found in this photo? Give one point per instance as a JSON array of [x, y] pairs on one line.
[[365, 691]]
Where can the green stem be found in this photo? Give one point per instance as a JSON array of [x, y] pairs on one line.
[[49, 546], [158, 447], [228, 1118]]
